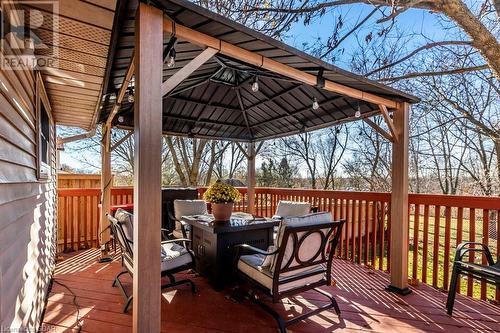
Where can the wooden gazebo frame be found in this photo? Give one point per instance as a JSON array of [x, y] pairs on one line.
[[148, 114]]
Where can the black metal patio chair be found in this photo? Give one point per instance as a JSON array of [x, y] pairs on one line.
[[489, 272], [302, 261], [174, 257]]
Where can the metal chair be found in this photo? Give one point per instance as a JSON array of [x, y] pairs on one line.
[[302, 261], [489, 272], [174, 257]]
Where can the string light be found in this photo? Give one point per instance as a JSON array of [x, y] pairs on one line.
[[171, 58], [315, 104], [358, 112], [255, 84]]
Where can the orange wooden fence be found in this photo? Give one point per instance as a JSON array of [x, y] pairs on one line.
[[78, 216], [438, 223]]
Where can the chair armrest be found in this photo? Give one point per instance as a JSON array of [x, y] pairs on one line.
[[176, 240], [251, 249], [464, 248]]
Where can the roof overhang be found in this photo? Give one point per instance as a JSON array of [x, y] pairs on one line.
[[78, 36]]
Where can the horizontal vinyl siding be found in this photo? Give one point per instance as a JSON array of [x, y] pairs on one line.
[[27, 207]]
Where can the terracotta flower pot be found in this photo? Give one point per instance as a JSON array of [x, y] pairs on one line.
[[222, 211]]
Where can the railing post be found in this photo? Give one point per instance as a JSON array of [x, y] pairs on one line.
[[251, 178], [106, 184], [399, 203], [147, 169]]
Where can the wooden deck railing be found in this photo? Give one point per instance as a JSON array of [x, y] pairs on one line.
[[78, 215], [437, 224]]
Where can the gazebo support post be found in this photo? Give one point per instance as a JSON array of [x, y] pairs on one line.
[[106, 184], [147, 169], [399, 202], [251, 177]]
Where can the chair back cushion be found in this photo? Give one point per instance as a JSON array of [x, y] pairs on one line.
[[292, 208], [118, 229], [189, 207], [185, 208], [309, 245], [126, 220]]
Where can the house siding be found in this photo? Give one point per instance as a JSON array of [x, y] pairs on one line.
[[27, 206]]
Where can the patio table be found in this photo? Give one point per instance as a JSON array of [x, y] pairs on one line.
[[213, 243]]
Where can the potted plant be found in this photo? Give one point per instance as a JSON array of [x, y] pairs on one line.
[[222, 198]]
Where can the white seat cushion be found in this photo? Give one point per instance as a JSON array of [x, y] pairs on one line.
[[173, 255], [250, 265], [292, 208]]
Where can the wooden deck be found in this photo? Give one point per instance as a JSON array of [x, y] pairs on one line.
[[364, 303]]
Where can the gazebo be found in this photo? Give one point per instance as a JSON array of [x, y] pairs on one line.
[[175, 68]]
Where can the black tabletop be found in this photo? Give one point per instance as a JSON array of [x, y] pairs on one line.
[[239, 222]]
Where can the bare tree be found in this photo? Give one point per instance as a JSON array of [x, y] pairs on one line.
[[445, 151], [303, 149], [331, 148], [230, 160], [187, 155], [370, 162]]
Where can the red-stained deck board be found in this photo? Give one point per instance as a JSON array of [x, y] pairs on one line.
[[364, 303]]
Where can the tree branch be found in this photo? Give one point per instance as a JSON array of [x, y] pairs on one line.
[[359, 24], [448, 72], [422, 48]]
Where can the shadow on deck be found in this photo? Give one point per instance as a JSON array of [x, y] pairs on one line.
[[364, 303]]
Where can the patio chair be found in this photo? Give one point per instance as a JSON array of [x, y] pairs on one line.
[[301, 262], [489, 272], [174, 257], [291, 208], [186, 208], [168, 196]]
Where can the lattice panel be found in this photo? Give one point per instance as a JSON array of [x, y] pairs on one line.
[[75, 44], [77, 29]]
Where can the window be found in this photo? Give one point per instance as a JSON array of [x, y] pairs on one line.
[[44, 134], [43, 130]]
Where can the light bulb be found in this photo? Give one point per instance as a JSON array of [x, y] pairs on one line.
[[255, 85], [357, 114], [170, 62], [315, 105], [130, 98], [171, 58], [120, 119]]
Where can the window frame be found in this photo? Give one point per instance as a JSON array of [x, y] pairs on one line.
[[44, 170]]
